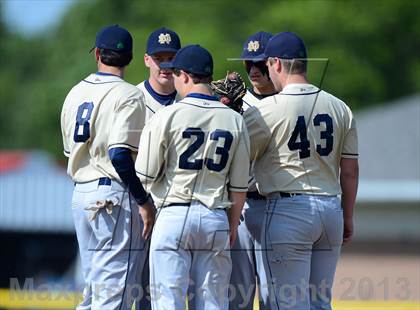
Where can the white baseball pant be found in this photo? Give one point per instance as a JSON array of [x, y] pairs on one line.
[[189, 251], [302, 241], [111, 248], [247, 265]]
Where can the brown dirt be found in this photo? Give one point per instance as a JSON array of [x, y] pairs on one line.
[[377, 277]]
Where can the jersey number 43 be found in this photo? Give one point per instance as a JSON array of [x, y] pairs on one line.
[[197, 164], [301, 132]]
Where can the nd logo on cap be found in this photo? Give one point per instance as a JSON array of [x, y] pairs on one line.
[[164, 38], [253, 46]]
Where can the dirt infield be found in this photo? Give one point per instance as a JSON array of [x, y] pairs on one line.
[[377, 277]]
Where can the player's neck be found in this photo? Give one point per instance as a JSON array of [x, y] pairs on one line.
[[264, 89], [293, 79], [161, 89], [112, 70], [200, 89]]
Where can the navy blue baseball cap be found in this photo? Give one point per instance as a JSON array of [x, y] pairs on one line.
[[163, 40], [285, 45], [114, 38], [254, 46], [193, 59]]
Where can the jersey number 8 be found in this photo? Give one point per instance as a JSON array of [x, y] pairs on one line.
[[82, 129], [197, 164]]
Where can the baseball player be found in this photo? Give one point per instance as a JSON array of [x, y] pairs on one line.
[[159, 89], [256, 69], [304, 142], [247, 266], [196, 169], [101, 121]]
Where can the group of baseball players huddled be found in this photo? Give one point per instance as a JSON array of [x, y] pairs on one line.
[[178, 199]]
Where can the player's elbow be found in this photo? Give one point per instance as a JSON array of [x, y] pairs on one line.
[[349, 168], [121, 159]]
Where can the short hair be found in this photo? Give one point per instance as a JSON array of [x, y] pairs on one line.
[[115, 59], [294, 66], [196, 78], [200, 79]]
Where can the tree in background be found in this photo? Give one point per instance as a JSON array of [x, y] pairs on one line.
[[372, 47]]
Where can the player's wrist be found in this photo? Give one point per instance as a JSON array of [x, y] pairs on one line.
[[144, 200]]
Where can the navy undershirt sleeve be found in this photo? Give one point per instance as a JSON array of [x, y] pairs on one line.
[[124, 165]]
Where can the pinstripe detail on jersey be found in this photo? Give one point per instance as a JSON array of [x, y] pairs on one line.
[[150, 109], [247, 103], [101, 82], [199, 106], [238, 187], [145, 175], [301, 94], [129, 146]]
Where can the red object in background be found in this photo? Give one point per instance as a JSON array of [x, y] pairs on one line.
[[11, 160]]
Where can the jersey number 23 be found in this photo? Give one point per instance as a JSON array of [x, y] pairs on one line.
[[185, 162]]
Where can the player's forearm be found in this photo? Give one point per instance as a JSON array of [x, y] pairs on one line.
[[349, 180], [238, 201]]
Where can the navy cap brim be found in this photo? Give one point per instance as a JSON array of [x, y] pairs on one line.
[[259, 58], [283, 57], [166, 65], [162, 50]]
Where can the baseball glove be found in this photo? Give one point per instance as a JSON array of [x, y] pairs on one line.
[[230, 91]]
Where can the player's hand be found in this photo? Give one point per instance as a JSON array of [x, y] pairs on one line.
[[233, 234], [147, 213], [348, 230]]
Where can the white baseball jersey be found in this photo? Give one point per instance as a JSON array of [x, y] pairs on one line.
[[252, 99], [101, 112], [197, 149], [298, 138], [152, 104]]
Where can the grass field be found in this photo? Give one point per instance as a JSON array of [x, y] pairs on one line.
[[68, 300]]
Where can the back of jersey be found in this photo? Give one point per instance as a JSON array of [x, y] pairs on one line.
[[198, 150], [101, 112], [299, 137]]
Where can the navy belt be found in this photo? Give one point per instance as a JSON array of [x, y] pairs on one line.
[[187, 204], [104, 181], [255, 195], [178, 204], [288, 195], [101, 181]]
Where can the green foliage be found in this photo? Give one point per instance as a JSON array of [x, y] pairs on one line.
[[371, 46]]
